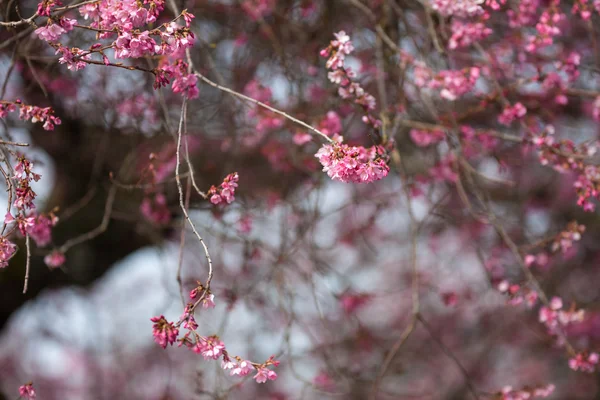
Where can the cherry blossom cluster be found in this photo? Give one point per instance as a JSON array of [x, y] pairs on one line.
[[586, 362], [424, 138], [73, 57], [34, 113], [546, 29], [508, 393], [28, 222], [564, 240], [226, 190], [451, 84], [210, 347], [566, 156], [353, 164], [464, 34], [122, 21], [555, 318], [183, 81], [7, 250], [27, 392], [518, 294], [458, 8], [511, 113], [342, 76]]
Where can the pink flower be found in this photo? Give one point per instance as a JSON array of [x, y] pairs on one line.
[[208, 301], [226, 191], [211, 347], [331, 124], [353, 164], [155, 209], [164, 332], [242, 368], [7, 250], [265, 374], [55, 259], [465, 34], [423, 138], [301, 138], [583, 362], [27, 392], [41, 229], [351, 302], [226, 363], [50, 33]]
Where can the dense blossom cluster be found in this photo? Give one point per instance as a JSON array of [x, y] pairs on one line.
[[451, 84], [353, 163], [464, 34], [123, 23]]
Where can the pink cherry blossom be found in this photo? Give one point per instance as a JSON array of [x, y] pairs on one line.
[[27, 392], [264, 374], [164, 332], [55, 259]]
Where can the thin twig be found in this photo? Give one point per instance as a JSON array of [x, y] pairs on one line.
[[450, 355], [263, 105], [27, 263], [99, 229], [181, 200]]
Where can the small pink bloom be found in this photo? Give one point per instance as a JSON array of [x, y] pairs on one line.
[[242, 368], [301, 138], [55, 259], [208, 301]]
